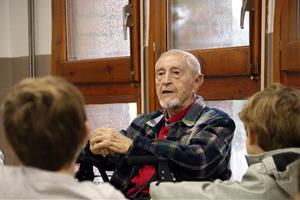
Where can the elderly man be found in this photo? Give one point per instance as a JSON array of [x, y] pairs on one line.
[[194, 138]]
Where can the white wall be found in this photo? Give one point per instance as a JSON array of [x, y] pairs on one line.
[[43, 27], [18, 22], [5, 48], [14, 27]]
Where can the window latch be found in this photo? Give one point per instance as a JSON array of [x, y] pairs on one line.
[[246, 6], [127, 22]]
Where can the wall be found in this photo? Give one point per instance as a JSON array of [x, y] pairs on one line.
[[14, 61]]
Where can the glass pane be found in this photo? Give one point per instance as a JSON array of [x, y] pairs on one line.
[[117, 115], [238, 162], [203, 24], [95, 29]]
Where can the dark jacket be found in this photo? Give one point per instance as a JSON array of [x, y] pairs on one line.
[[198, 147]]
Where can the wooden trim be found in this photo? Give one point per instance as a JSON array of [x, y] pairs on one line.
[[291, 69], [161, 34], [222, 62], [287, 51], [276, 41], [157, 45], [58, 35], [291, 78], [135, 40], [211, 90], [289, 45], [69, 34], [290, 5], [110, 93], [290, 55], [169, 25], [255, 39], [112, 70]]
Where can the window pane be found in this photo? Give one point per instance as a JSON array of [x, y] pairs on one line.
[[203, 24], [95, 29], [117, 115]]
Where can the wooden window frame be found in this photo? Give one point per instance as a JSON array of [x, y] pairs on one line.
[[94, 76], [286, 68], [220, 83]]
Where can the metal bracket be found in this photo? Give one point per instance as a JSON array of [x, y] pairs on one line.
[[254, 72], [246, 6], [127, 21]]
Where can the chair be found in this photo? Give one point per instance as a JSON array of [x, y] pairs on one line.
[[86, 172]]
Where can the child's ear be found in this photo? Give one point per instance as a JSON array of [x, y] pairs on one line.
[[252, 139], [87, 132]]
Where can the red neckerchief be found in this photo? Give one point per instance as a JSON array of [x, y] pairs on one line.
[[177, 117], [147, 171]]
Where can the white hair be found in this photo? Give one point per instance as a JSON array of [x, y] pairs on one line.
[[189, 58]]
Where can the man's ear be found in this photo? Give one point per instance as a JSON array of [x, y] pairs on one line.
[[198, 82]]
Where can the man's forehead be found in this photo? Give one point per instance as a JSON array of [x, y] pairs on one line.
[[171, 60]]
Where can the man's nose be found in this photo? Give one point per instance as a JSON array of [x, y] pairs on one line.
[[167, 78]]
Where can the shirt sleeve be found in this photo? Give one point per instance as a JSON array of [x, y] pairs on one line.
[[253, 186]]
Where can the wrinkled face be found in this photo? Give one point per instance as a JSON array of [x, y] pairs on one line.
[[176, 82]]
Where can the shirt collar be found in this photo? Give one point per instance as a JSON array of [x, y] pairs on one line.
[[178, 116], [194, 113], [190, 118]]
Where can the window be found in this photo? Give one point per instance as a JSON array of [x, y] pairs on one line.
[[206, 24], [90, 50], [210, 29], [95, 30], [117, 115]]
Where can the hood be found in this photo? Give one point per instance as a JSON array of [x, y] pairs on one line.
[[282, 165]]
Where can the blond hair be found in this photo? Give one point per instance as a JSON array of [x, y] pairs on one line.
[[273, 115], [44, 121]]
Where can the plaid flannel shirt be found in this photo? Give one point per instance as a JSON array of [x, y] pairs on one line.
[[198, 147]]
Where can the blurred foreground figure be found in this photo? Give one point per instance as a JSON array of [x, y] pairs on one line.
[[45, 123]]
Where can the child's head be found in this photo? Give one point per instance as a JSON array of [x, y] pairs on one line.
[[273, 117], [44, 121]]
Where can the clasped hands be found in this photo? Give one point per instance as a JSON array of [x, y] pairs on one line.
[[105, 141]]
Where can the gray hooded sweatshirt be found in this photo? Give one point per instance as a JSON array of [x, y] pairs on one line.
[[271, 175]]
